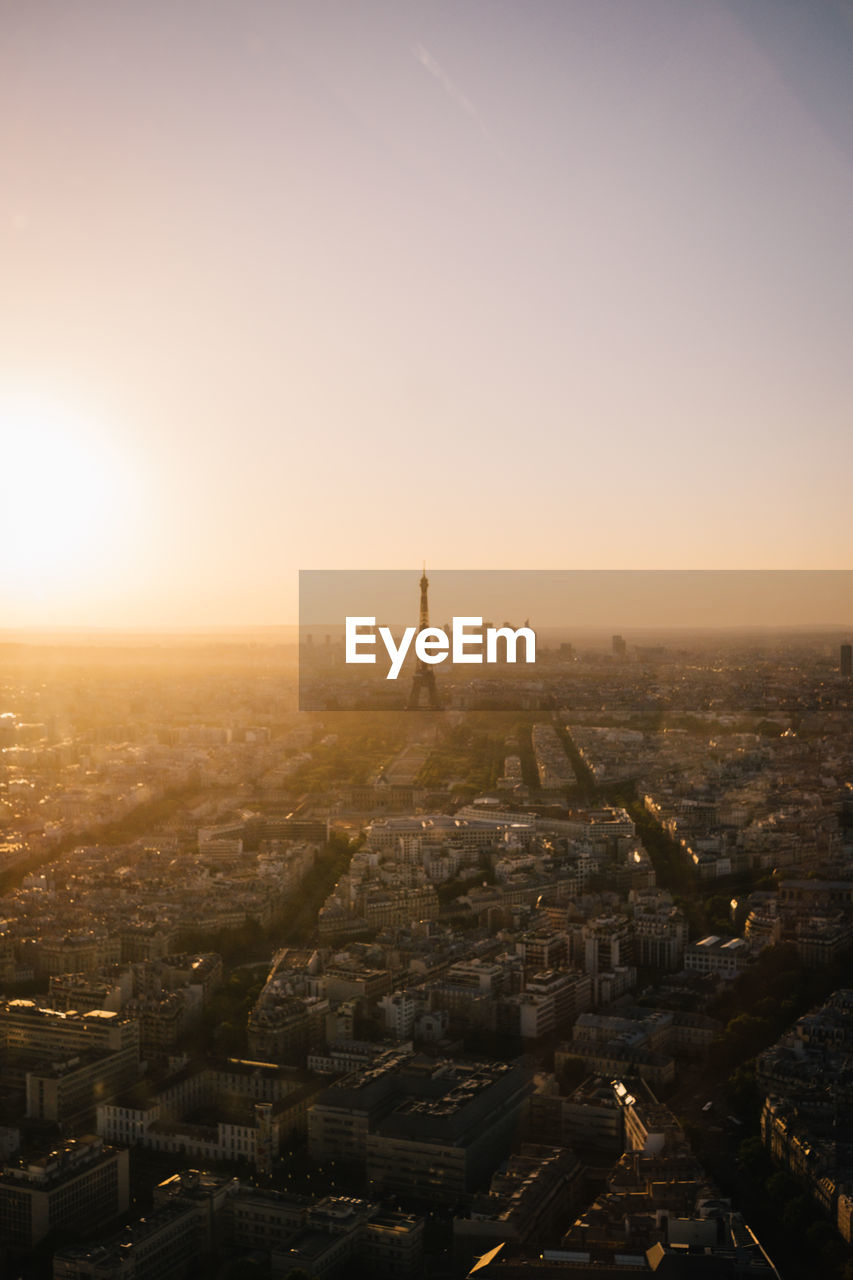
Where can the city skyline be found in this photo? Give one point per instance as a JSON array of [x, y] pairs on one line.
[[509, 286]]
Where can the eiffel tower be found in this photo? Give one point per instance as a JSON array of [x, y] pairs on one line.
[[423, 681]]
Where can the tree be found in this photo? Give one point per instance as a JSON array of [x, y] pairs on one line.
[[781, 1187], [744, 1095], [753, 1157]]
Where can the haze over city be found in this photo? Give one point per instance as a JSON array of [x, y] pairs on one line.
[[550, 285], [426, 640]]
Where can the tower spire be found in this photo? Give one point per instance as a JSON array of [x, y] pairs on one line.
[[424, 613], [424, 678]]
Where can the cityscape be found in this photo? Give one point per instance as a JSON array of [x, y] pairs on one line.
[[426, 640], [427, 993]]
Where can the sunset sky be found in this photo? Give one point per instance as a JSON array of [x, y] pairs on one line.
[[345, 284]]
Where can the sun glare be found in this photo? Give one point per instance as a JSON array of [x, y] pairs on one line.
[[64, 493]]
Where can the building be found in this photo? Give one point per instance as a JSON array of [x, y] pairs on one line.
[[549, 1002], [188, 1220], [74, 953], [108, 989], [615, 1058], [607, 944], [400, 1010], [427, 1128], [260, 1218], [258, 1107], [542, 949], [527, 1203], [199, 1217], [162, 1018], [481, 832], [164, 1245], [79, 1184], [660, 931], [64, 1062], [384, 907], [67, 1092], [650, 1127], [341, 1230], [589, 1119], [726, 957], [26, 1028], [286, 1028]]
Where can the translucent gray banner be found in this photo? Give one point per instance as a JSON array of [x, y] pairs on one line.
[[512, 639]]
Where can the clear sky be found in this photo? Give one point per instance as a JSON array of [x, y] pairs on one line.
[[347, 283]]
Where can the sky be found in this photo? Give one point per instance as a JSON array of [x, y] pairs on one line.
[[347, 284]]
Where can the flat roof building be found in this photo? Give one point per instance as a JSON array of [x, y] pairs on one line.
[[79, 1184]]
